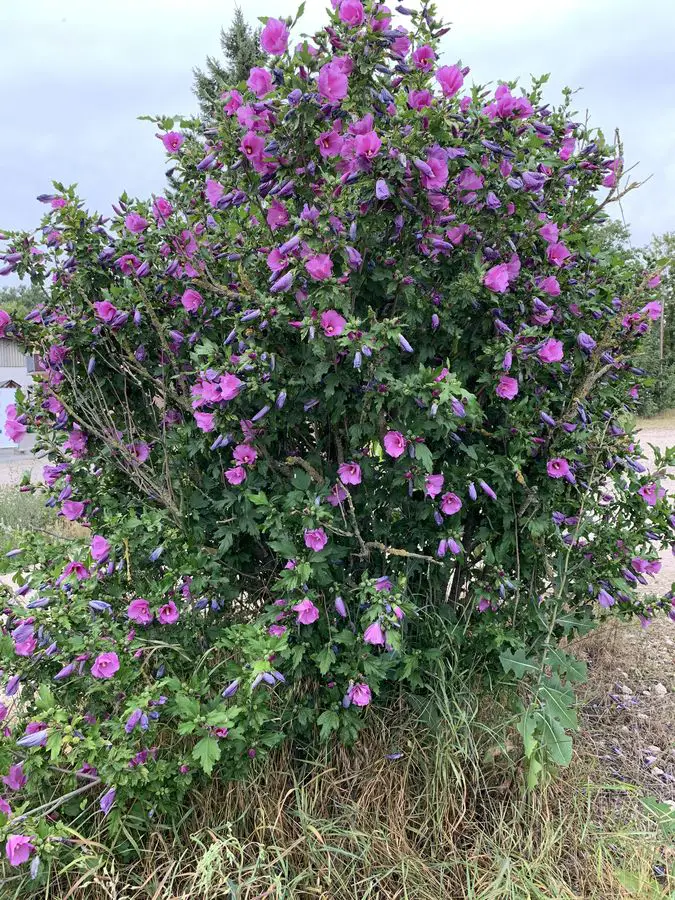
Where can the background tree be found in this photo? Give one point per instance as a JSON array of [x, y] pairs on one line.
[[658, 356], [241, 50], [19, 301]]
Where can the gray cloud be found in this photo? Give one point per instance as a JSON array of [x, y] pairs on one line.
[[76, 74]]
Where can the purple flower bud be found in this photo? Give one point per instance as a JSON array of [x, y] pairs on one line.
[[404, 345], [36, 739], [91, 365], [107, 800], [546, 419], [382, 189], [458, 408], [487, 490], [290, 245], [357, 360], [340, 607], [66, 671], [435, 321], [100, 606], [260, 414], [133, 720], [250, 314], [231, 689], [156, 553], [282, 284], [12, 685], [14, 552], [256, 681]]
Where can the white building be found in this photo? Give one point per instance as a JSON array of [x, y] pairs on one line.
[[16, 370]]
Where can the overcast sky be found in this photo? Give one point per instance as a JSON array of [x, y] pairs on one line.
[[76, 73]]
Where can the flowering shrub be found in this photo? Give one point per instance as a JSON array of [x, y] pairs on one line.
[[356, 390]]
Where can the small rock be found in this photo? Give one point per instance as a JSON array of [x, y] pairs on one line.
[[652, 748], [660, 689]]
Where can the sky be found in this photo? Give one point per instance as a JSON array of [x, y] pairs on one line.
[[75, 75]]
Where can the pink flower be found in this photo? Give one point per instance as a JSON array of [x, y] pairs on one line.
[[367, 145], [652, 282], [100, 548], [205, 421], [329, 143], [274, 37], [567, 148], [277, 215], [351, 13], [173, 141], [439, 178], [72, 509], [450, 504], [277, 630], [161, 210], [332, 323], [558, 467], [650, 493], [307, 612], [230, 386], [374, 634], [333, 83], [496, 279], [259, 81], [25, 648], [233, 101], [168, 613], [5, 807], [77, 569], [139, 611], [135, 223], [319, 267], [15, 779], [214, 191], [550, 286], [653, 310], [433, 485], [18, 849], [557, 253], [419, 99], [14, 430], [360, 694], [394, 444], [252, 147], [423, 58], [5, 320], [401, 45], [507, 388], [191, 300], [235, 475], [549, 232], [105, 665], [450, 79], [337, 495], [350, 473], [105, 310], [551, 352], [245, 455], [315, 539]]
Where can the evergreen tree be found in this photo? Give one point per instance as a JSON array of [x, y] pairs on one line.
[[241, 49]]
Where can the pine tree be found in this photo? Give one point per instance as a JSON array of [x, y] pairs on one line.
[[241, 49]]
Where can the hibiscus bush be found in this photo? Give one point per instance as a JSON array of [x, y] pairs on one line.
[[350, 403]]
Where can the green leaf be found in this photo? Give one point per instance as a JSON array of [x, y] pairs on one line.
[[329, 721], [519, 663], [558, 744], [187, 707], [53, 745], [207, 753], [575, 670], [526, 728], [325, 659], [424, 457], [558, 701], [284, 547], [259, 499], [534, 770]]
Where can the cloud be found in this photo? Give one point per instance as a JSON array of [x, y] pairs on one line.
[[77, 73]]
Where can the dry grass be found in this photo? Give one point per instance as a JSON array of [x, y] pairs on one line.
[[446, 820]]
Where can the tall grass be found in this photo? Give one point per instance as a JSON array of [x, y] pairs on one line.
[[446, 819]]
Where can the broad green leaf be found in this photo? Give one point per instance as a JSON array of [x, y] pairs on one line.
[[207, 753], [558, 744], [527, 727], [329, 721], [519, 663], [424, 457], [558, 701]]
